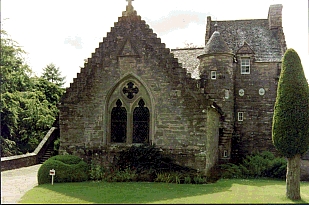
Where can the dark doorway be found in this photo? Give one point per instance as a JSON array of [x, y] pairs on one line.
[[119, 123], [141, 123]]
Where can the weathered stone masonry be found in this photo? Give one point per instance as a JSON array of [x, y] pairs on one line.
[[195, 118], [181, 119]]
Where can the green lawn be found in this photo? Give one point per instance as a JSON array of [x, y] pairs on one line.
[[224, 191]]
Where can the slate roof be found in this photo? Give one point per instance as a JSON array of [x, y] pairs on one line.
[[264, 42], [188, 58], [216, 44]]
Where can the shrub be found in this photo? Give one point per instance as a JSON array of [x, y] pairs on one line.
[[256, 166], [187, 180], [277, 168], [142, 163], [231, 171], [56, 146], [68, 168], [147, 159], [146, 176], [67, 159], [164, 177], [142, 158], [126, 175], [180, 178], [199, 179], [96, 172], [176, 178]]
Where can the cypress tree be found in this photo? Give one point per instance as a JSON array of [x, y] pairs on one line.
[[290, 129]]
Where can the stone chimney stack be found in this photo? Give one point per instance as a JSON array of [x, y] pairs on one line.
[[275, 16]]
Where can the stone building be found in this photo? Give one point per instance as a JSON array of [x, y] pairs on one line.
[[134, 90]]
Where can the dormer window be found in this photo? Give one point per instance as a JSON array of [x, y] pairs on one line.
[[213, 75], [245, 66]]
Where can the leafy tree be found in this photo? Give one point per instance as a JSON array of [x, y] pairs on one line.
[[27, 104], [14, 72], [290, 130], [15, 77], [51, 91], [53, 74]]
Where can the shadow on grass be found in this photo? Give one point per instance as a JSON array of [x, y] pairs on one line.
[[135, 192], [150, 192]]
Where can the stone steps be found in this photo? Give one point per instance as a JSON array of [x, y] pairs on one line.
[[47, 155]]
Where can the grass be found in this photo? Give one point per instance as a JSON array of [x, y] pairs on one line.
[[224, 191]]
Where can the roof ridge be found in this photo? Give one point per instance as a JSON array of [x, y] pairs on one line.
[[242, 20], [178, 49]]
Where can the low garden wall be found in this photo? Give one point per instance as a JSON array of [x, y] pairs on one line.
[[18, 161], [29, 159]]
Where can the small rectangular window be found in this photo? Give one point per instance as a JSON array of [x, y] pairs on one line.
[[245, 65], [225, 153], [213, 74], [240, 116], [226, 94]]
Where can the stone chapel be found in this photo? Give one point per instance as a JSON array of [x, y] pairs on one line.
[[202, 105]]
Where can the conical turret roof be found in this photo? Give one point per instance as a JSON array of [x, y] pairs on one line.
[[216, 44]]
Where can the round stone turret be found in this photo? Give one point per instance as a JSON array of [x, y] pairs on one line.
[[216, 44]]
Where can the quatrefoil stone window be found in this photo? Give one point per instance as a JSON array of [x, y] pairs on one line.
[[130, 90]]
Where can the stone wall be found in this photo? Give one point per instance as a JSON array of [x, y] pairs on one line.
[[254, 132], [221, 91], [131, 52], [25, 160], [18, 161]]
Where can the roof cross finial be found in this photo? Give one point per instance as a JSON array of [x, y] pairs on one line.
[[130, 9], [129, 2]]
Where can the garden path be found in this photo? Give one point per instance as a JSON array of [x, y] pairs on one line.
[[15, 183]]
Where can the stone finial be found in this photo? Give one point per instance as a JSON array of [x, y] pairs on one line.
[[129, 8], [216, 26], [130, 3]]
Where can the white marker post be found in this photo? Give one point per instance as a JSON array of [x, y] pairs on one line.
[[52, 172]]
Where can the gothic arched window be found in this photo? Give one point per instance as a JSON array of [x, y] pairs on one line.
[[119, 123], [130, 113], [141, 123]]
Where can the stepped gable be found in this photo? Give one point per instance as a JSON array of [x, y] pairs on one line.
[[216, 44], [130, 36], [265, 42], [188, 58]]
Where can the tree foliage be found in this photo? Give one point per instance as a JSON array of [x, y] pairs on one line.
[[291, 114], [28, 104], [14, 72], [290, 130], [53, 74]]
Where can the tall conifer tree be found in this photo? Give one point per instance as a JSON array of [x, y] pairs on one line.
[[290, 130], [53, 74]]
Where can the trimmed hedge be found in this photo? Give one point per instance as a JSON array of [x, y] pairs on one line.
[[67, 159], [68, 168]]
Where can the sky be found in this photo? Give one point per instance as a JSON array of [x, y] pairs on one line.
[[66, 32]]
